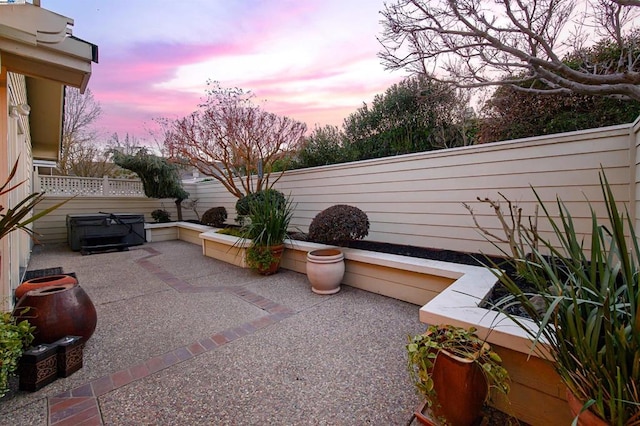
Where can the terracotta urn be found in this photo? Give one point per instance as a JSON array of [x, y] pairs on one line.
[[48, 281], [325, 270], [461, 390], [58, 311]]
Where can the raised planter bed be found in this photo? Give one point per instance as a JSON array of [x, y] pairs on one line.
[[185, 231]]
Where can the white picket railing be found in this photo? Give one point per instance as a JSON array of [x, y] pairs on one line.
[[96, 187]]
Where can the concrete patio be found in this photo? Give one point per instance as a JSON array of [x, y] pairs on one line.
[[185, 339]]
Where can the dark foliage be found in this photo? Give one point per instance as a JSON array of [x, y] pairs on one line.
[[325, 145], [161, 216], [159, 177], [417, 114], [243, 204], [215, 216], [513, 114], [339, 223]]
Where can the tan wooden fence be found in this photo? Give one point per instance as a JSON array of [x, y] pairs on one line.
[[418, 199]]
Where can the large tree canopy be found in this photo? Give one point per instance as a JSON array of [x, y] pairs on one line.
[[325, 145], [417, 114], [232, 140], [474, 43], [512, 114]]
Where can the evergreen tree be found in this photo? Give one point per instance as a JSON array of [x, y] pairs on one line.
[[160, 178]]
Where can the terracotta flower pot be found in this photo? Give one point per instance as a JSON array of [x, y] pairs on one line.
[[325, 270], [48, 281], [587, 418], [276, 252], [461, 390], [58, 311]]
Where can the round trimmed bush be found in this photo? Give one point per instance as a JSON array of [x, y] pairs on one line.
[[161, 216], [339, 223], [215, 216], [242, 205]]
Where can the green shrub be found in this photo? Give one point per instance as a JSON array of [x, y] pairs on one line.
[[161, 216], [269, 218], [339, 223], [214, 217], [589, 318], [236, 232], [243, 204], [14, 338]]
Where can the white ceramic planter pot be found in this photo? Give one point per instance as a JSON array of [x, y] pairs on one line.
[[325, 269]]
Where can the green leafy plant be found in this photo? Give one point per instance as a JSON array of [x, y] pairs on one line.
[[590, 321], [15, 217], [14, 338], [268, 226], [236, 232], [243, 205], [215, 216], [161, 216], [423, 349], [339, 223]]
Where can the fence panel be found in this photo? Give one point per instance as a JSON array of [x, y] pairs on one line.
[[91, 187]]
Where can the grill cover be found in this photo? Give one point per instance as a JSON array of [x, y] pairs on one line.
[[93, 230]]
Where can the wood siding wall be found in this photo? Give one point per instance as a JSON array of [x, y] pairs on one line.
[[53, 227], [417, 199], [15, 249]]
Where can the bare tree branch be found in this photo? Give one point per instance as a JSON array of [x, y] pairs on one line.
[[79, 154], [232, 140], [476, 43]]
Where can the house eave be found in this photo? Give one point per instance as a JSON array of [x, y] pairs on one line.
[[37, 43]]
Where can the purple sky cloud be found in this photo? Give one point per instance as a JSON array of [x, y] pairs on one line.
[[314, 61]]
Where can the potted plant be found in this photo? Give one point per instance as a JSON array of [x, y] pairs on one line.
[[325, 267], [454, 370], [267, 228], [15, 336], [586, 309]]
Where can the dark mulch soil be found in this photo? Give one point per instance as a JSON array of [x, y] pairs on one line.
[[474, 259]]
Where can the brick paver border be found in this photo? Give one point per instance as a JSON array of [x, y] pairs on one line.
[[79, 406]]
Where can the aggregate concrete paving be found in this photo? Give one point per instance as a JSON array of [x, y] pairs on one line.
[[184, 339]]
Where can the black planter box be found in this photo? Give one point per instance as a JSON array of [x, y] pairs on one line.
[[69, 353], [38, 367]]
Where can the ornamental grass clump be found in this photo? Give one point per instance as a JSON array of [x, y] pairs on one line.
[[590, 321], [339, 223], [268, 226], [243, 205]]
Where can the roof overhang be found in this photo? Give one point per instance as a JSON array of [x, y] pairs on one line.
[[46, 99], [37, 43]]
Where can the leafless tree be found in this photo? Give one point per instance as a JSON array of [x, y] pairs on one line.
[[79, 153], [232, 140], [476, 43]]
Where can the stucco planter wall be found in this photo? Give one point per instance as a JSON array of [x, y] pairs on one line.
[[185, 231]]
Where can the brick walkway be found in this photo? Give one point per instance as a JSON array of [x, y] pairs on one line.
[[79, 406]]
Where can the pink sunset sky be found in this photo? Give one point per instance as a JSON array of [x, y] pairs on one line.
[[314, 61]]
